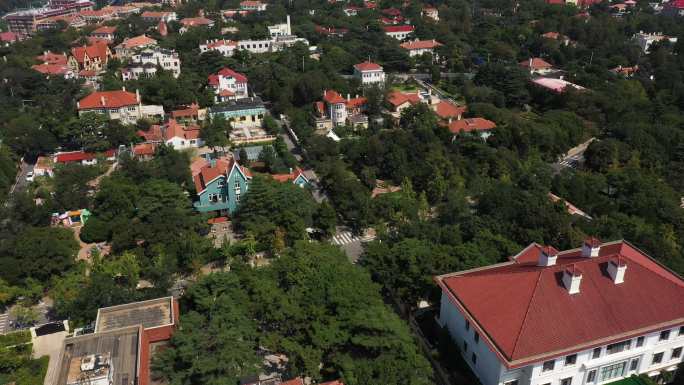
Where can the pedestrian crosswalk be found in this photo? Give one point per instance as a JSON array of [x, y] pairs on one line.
[[344, 238], [4, 323]]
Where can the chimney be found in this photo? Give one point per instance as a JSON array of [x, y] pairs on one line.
[[123, 88], [137, 95], [289, 31], [102, 100], [591, 247], [572, 277], [348, 97], [616, 270], [547, 256]]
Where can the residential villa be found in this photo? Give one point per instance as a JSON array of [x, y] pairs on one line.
[[118, 105], [480, 126], [335, 110], [146, 61], [223, 46], [104, 33], [241, 113], [82, 157], [130, 46], [192, 113], [420, 47], [228, 85], [173, 134], [121, 348], [536, 66], [253, 6], [156, 16], [220, 183], [645, 40], [369, 73], [61, 70], [53, 58], [92, 57], [590, 315], [399, 32], [295, 176], [190, 22]]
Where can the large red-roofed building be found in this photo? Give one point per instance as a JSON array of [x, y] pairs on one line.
[[589, 315]]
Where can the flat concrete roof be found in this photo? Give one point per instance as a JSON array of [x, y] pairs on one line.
[[121, 345], [149, 314]]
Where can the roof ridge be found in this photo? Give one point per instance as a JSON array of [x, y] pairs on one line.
[[527, 312]]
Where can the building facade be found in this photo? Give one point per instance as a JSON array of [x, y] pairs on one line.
[[118, 105], [241, 113], [369, 73], [145, 63], [228, 85], [220, 185], [591, 315]]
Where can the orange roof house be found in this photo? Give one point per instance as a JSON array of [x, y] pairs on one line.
[[90, 57]]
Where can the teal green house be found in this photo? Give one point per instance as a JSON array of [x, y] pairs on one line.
[[220, 184]]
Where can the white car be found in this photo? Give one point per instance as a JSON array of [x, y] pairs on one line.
[[29, 176]]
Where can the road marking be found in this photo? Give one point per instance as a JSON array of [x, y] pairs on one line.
[[344, 238]]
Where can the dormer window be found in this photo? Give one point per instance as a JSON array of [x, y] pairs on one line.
[[548, 365], [596, 354]]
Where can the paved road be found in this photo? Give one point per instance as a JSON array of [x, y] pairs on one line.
[[573, 158], [351, 244], [21, 183]]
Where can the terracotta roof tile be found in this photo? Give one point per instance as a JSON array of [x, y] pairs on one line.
[[471, 124], [528, 316], [420, 44], [111, 99]]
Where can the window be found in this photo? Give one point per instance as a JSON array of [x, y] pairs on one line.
[[566, 381], [596, 353], [612, 371], [221, 184], [640, 341], [548, 366], [664, 335], [676, 353], [474, 358], [634, 364], [514, 382], [681, 330], [476, 337], [571, 359], [591, 376], [465, 347], [657, 358], [618, 347], [467, 326]]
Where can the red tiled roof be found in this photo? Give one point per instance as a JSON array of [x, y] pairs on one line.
[[154, 14], [332, 97], [336, 382], [420, 44], [397, 98], [52, 58], [250, 3], [356, 102], [551, 35], [212, 221], [97, 49], [535, 63], [174, 130], [192, 110], [144, 149], [208, 173], [287, 177], [112, 99], [399, 28], [9, 37], [526, 315], [87, 73], [196, 21], [368, 66], [77, 156], [51, 69], [446, 110], [137, 41], [227, 73], [471, 124], [154, 134], [104, 30]]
